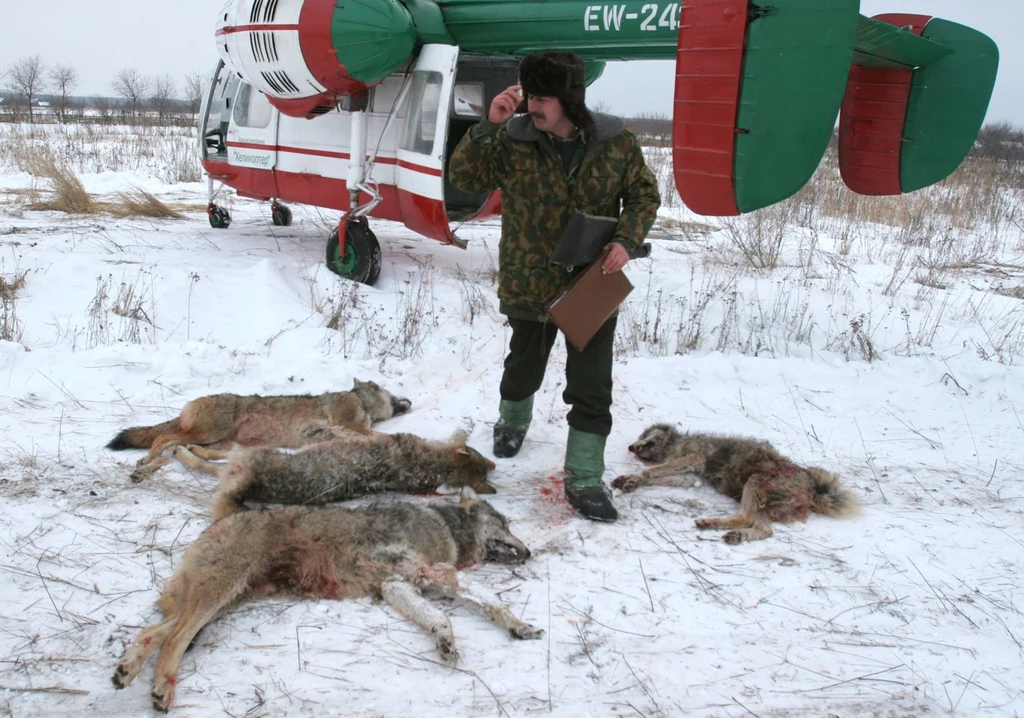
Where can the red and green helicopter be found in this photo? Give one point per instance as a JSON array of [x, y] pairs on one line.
[[356, 105]]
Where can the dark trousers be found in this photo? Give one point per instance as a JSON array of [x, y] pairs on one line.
[[588, 374]]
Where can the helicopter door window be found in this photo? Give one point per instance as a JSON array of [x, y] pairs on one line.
[[468, 100], [252, 109], [386, 94], [218, 114], [423, 104]]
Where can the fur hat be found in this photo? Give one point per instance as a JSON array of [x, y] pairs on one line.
[[558, 74]]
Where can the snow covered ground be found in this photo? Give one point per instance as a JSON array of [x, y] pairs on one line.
[[856, 354]]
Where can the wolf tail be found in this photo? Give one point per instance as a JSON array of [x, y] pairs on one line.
[[829, 498], [141, 437]]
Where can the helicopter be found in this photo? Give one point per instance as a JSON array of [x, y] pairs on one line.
[[357, 106]]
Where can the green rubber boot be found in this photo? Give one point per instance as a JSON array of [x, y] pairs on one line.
[[510, 430], [584, 467]]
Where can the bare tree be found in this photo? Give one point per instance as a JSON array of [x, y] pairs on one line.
[[195, 88], [1001, 141], [132, 85], [64, 81], [163, 95], [27, 79]]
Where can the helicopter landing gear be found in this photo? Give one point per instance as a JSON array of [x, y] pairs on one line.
[[220, 218], [360, 258], [281, 215]]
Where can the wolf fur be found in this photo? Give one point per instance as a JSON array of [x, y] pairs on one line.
[[768, 486], [347, 467], [288, 421], [390, 551]]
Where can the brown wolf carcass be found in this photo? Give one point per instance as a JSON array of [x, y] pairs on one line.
[[289, 421], [768, 486], [392, 551], [346, 467]]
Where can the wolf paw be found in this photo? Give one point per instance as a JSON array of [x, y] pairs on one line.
[[446, 648], [733, 537], [705, 524], [121, 678], [163, 692], [140, 474], [626, 484], [527, 632]]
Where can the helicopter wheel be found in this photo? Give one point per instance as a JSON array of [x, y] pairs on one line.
[[281, 215], [220, 218], [361, 261]]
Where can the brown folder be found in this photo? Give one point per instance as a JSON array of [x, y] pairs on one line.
[[587, 303]]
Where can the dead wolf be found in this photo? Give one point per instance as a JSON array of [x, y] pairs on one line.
[[347, 467], [388, 550], [288, 421], [768, 486]]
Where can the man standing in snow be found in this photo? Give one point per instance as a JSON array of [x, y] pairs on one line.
[[558, 159]]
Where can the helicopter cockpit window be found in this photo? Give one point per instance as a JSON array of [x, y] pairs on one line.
[[468, 100], [423, 102], [252, 109]]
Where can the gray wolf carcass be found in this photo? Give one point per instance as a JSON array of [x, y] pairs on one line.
[[346, 467], [768, 486], [288, 421], [392, 551]]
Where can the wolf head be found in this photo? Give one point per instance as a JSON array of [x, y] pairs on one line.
[[655, 443], [480, 532], [471, 471], [378, 401]]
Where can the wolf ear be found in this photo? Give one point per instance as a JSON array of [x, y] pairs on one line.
[[356, 383]]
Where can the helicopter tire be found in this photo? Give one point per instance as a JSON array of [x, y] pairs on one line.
[[362, 259], [281, 215], [220, 218]]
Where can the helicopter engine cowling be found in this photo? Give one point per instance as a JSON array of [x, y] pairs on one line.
[[306, 55]]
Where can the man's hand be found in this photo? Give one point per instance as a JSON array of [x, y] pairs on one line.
[[615, 258], [504, 105]]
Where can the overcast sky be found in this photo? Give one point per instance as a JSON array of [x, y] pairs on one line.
[[99, 37]]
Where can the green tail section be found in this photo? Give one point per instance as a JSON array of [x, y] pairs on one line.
[[880, 44], [794, 77], [948, 102]]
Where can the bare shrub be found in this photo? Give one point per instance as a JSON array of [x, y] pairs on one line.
[[474, 301], [11, 328], [415, 317], [69, 194], [759, 236], [99, 328], [129, 304], [346, 316], [855, 342]]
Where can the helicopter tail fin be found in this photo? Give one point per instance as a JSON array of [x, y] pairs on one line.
[[759, 88], [912, 111]]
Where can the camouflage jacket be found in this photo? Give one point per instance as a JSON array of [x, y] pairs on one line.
[[538, 197]]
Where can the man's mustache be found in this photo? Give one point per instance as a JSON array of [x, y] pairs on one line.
[[537, 115]]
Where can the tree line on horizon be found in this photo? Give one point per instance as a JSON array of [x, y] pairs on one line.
[[137, 96], [30, 81]]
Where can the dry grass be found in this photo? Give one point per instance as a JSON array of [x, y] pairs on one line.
[[139, 203], [10, 286], [69, 194]]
